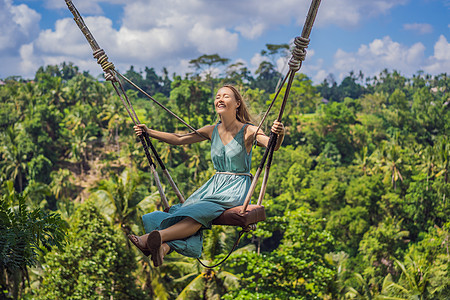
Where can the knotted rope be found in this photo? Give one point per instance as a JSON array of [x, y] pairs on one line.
[[107, 66], [298, 53], [295, 63]]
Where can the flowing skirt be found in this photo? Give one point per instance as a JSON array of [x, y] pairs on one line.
[[221, 192]]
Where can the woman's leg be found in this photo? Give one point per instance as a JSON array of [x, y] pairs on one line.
[[183, 229]]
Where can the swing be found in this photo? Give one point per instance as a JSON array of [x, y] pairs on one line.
[[247, 215]]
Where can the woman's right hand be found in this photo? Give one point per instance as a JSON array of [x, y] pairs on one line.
[[140, 128]]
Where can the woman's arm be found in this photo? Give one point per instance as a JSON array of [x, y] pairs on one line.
[[174, 138], [263, 140]]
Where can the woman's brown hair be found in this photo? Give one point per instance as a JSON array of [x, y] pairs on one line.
[[242, 113]]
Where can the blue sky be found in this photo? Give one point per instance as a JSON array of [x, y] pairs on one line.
[[405, 35]]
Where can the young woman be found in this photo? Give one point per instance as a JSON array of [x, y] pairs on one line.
[[232, 138]]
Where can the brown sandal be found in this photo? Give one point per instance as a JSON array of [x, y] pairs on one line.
[[158, 257], [154, 244], [136, 240], [154, 241]]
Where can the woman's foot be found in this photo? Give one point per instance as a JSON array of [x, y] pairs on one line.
[[141, 243], [158, 255], [154, 241]]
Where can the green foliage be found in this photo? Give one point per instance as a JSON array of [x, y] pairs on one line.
[[330, 90], [298, 269], [95, 263], [119, 199], [192, 100], [379, 246], [268, 77], [24, 234], [432, 255], [367, 157]]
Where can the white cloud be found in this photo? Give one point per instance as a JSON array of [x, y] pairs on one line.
[[66, 39], [29, 63], [250, 18], [67, 43], [88, 7], [386, 53], [319, 76], [18, 25], [349, 13], [442, 49], [440, 61], [421, 28], [251, 31], [223, 41], [381, 53]]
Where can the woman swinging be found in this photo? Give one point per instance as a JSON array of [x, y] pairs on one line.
[[232, 138]]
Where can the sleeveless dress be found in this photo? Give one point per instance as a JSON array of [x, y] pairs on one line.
[[220, 192]]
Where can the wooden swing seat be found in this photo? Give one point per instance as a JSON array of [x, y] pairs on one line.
[[234, 217]]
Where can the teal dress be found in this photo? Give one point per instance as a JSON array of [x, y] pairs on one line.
[[220, 192]]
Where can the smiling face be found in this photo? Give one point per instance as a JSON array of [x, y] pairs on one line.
[[225, 101]]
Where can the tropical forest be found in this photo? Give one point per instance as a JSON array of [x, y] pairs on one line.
[[357, 201]]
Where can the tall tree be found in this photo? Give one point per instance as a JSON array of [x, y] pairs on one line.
[[205, 63], [14, 157], [267, 77], [192, 99]]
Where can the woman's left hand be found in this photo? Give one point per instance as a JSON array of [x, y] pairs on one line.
[[278, 128]]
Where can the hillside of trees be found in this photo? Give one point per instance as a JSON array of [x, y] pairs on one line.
[[357, 201]]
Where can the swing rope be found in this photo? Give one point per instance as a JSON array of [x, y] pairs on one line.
[[241, 233]]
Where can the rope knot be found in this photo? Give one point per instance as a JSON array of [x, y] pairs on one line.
[[298, 53], [108, 67]]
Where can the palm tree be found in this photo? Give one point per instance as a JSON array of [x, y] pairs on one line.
[[196, 159], [61, 185], [441, 152], [364, 291], [23, 96], [390, 162], [14, 159], [25, 234], [79, 146], [414, 280], [427, 164], [113, 112], [118, 199], [362, 159], [168, 152], [209, 283], [442, 149], [87, 90]]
